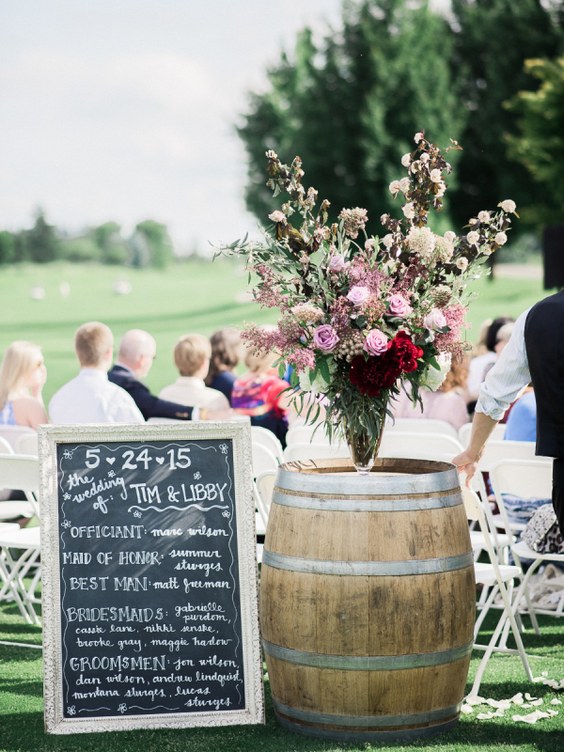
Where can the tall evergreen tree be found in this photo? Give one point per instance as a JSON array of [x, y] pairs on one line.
[[41, 241], [493, 39], [350, 105], [539, 142]]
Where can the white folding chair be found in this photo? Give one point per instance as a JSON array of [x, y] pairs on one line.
[[19, 472], [465, 431], [20, 552], [26, 443], [265, 487], [12, 433], [497, 450], [415, 445], [305, 451], [20, 549], [301, 433], [499, 579], [422, 425], [526, 479], [268, 439]]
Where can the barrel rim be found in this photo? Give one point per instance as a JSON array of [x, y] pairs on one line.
[[410, 476]]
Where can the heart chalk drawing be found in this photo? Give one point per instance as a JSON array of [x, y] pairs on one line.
[[160, 460], [110, 460]]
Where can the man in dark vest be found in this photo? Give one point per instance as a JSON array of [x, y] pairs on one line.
[[137, 351], [535, 353]]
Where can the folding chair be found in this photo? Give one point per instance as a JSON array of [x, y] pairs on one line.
[[499, 579], [27, 444], [268, 439], [304, 451], [20, 549], [418, 445], [465, 431], [422, 425]]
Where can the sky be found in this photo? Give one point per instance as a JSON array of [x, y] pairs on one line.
[[125, 110]]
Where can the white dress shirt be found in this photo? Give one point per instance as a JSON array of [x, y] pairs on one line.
[[189, 390], [91, 398], [508, 376]]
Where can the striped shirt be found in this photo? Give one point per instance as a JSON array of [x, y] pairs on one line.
[[508, 376]]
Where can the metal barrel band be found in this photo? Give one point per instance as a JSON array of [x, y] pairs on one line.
[[367, 721], [366, 662], [409, 504], [371, 568]]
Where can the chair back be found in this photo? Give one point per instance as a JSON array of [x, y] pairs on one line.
[[21, 472], [307, 451], [263, 459], [5, 446], [301, 433], [416, 445], [422, 425], [269, 440], [12, 433], [27, 444], [464, 433], [497, 451]]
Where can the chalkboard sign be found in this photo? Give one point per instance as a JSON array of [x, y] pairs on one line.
[[149, 577]]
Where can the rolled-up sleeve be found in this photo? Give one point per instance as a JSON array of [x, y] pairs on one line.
[[508, 376]]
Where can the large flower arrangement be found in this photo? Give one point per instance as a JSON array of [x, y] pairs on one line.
[[362, 316]]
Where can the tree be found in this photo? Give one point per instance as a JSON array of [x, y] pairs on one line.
[[539, 144], [157, 241], [41, 241], [493, 39], [112, 246], [351, 105], [7, 249]]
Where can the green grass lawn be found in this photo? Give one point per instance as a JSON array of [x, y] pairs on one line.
[[21, 709], [201, 297], [196, 296]]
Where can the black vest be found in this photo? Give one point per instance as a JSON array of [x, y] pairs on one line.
[[544, 342]]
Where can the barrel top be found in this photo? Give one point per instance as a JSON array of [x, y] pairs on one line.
[[389, 475]]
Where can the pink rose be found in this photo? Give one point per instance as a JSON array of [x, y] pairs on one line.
[[337, 264], [376, 342], [435, 320], [325, 338], [398, 305], [358, 295]]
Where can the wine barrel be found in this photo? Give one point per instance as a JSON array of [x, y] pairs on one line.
[[367, 599]]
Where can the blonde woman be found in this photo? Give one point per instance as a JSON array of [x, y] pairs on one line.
[[22, 378]]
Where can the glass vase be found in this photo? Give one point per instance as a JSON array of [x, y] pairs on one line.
[[364, 445]]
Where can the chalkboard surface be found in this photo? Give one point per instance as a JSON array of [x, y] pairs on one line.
[[150, 618]]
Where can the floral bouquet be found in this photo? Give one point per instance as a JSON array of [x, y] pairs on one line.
[[363, 316]]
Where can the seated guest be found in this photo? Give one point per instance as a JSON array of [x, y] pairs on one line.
[[448, 403], [192, 358], [22, 378], [259, 394], [225, 354], [481, 364], [521, 423], [90, 397], [137, 350]]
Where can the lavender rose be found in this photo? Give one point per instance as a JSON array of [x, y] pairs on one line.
[[376, 342], [398, 305], [435, 320], [358, 295], [325, 338], [337, 264]]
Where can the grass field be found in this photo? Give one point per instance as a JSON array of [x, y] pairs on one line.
[[200, 296], [196, 296]]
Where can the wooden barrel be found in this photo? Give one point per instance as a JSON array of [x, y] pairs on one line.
[[367, 599]]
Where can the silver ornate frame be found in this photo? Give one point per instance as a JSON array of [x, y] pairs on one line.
[[52, 436]]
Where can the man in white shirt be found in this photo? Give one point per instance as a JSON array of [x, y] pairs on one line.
[[90, 397], [535, 353]]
